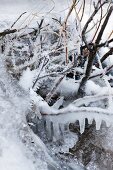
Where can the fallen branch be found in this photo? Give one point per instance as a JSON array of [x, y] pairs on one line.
[[6, 32]]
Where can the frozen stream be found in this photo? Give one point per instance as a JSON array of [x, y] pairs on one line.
[[13, 153]]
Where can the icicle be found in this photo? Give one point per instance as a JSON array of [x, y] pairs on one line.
[[56, 131], [62, 130], [90, 120], [108, 122], [82, 125], [98, 123], [49, 129]]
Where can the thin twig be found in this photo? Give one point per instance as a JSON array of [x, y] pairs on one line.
[[83, 11], [110, 52], [50, 94], [101, 74], [104, 25], [18, 19], [97, 7], [98, 25]]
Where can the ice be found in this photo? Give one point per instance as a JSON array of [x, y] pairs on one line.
[[56, 131], [18, 142], [89, 99], [82, 124], [98, 123], [108, 122], [58, 103], [49, 133], [13, 157], [90, 120], [70, 114]]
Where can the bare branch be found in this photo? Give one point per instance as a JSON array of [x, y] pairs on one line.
[[101, 74], [110, 52], [104, 25], [97, 7], [91, 57]]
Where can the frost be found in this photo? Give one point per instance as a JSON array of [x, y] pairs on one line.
[[27, 78]]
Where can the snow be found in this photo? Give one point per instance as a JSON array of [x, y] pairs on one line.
[[12, 156], [92, 88], [68, 87], [16, 150], [26, 80], [11, 9]]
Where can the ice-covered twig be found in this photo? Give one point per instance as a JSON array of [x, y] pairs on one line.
[[89, 99], [94, 74], [41, 68], [110, 100], [71, 114], [97, 8], [74, 112], [48, 98]]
